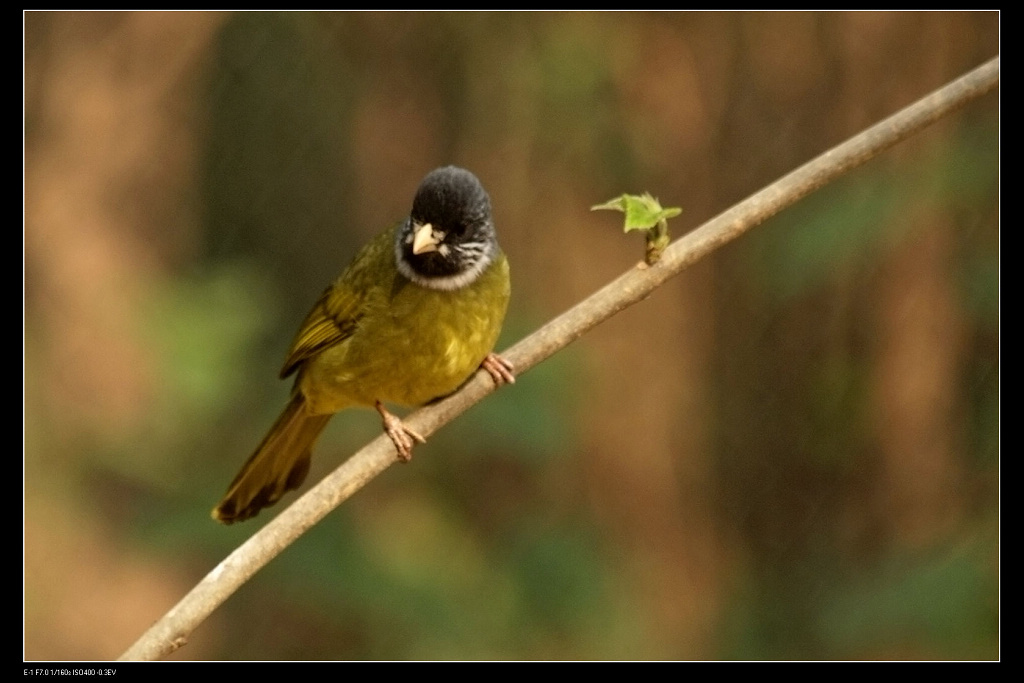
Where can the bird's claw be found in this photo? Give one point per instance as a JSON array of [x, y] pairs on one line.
[[500, 370], [403, 437]]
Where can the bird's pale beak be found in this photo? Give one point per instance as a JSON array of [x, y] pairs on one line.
[[424, 240]]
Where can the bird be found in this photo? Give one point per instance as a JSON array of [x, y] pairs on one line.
[[413, 316]]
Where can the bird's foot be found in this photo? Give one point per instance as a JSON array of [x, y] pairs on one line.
[[500, 370], [400, 435]]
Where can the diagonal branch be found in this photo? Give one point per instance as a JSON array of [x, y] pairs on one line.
[[171, 631]]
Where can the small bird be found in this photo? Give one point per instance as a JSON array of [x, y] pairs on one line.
[[415, 313]]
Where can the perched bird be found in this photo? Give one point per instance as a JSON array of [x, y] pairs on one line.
[[415, 313]]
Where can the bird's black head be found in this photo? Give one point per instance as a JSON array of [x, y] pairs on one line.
[[448, 239]]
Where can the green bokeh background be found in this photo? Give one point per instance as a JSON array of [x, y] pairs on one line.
[[790, 451]]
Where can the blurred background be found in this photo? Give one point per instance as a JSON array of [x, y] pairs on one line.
[[790, 451]]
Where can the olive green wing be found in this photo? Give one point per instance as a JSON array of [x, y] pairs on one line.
[[337, 312], [333, 320]]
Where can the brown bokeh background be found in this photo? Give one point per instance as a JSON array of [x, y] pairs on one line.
[[789, 451]]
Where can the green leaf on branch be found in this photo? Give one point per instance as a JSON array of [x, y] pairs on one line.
[[644, 212]]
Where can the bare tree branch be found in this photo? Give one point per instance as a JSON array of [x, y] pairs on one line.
[[171, 631]]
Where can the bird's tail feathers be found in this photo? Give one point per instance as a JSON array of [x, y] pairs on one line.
[[280, 464]]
